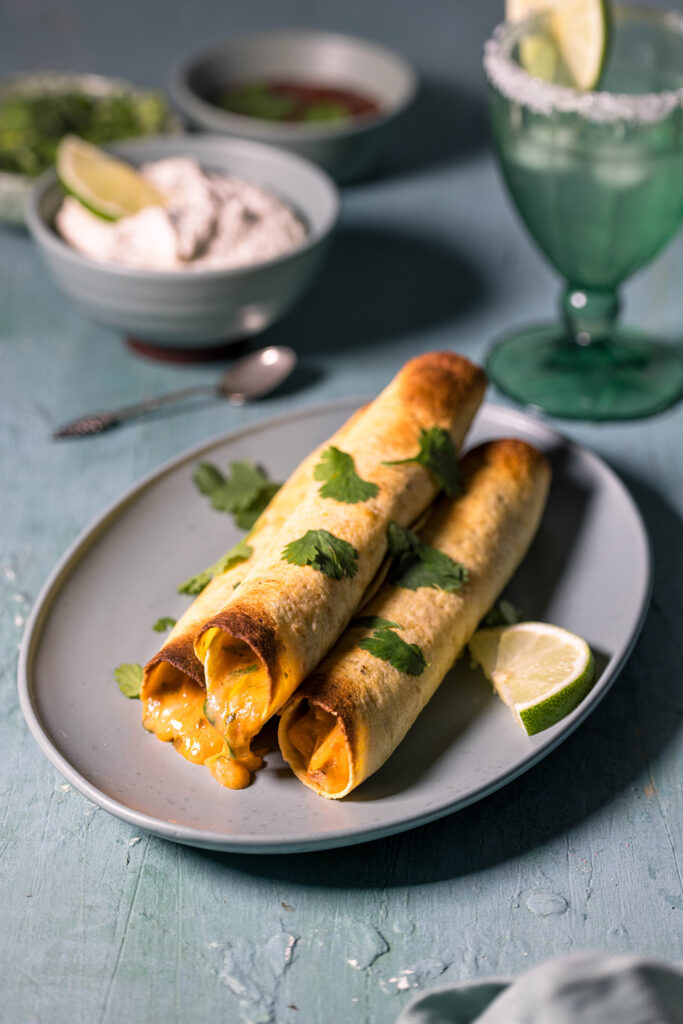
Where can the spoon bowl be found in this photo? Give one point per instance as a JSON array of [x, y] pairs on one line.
[[257, 374]]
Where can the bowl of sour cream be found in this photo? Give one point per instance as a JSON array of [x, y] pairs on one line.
[[241, 233]]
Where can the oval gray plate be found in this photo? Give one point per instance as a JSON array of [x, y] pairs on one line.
[[588, 570]]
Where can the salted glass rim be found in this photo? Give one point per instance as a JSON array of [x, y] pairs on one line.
[[546, 98]]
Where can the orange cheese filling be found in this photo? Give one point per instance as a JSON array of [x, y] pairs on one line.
[[319, 747], [238, 696], [174, 710]]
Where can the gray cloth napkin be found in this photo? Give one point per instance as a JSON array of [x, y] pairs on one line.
[[585, 988]]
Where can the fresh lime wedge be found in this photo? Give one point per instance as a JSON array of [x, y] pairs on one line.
[[542, 672], [107, 186], [576, 46]]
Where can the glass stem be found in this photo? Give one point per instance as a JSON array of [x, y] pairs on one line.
[[589, 313]]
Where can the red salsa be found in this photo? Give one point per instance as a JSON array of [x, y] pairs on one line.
[[280, 99]]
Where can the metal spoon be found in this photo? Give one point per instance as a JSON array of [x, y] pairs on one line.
[[254, 376]]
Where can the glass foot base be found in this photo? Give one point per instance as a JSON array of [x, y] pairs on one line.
[[628, 378]]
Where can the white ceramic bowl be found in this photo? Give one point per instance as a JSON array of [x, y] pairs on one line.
[[347, 149], [199, 307]]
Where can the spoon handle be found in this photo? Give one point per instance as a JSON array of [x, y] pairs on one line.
[[95, 423]]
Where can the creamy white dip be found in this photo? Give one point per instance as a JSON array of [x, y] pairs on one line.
[[210, 222]]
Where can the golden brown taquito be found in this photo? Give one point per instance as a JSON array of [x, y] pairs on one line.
[[350, 715], [173, 690], [284, 618]]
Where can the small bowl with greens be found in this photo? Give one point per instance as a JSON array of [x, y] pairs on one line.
[[36, 110], [331, 98]]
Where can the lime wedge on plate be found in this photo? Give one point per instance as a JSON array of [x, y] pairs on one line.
[[107, 186], [542, 672], [575, 50]]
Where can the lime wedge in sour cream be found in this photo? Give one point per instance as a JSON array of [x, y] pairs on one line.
[[108, 187]]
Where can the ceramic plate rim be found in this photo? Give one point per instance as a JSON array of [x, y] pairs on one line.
[[192, 836]]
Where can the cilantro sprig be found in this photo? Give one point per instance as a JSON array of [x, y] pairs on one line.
[[374, 622], [323, 551], [416, 564], [503, 613], [244, 493], [164, 623], [129, 678], [239, 553], [387, 645], [343, 483], [437, 454]]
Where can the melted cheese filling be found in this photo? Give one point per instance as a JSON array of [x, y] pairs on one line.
[[237, 697], [319, 747], [174, 710]]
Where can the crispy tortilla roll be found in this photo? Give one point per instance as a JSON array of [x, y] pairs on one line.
[[350, 715], [173, 690], [285, 617]]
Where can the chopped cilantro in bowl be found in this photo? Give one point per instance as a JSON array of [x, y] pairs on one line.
[[36, 110]]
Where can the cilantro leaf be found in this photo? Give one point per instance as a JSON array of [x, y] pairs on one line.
[[208, 713], [233, 492], [239, 553], [389, 646], [375, 622], [324, 552], [243, 494], [164, 623], [437, 454], [416, 564], [245, 519], [208, 479], [129, 678], [503, 613], [343, 483]]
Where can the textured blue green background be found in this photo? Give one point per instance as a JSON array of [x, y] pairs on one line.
[[101, 923]]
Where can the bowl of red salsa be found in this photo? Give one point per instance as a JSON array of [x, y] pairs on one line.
[[332, 98]]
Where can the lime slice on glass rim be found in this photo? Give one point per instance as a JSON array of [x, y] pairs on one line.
[[540, 671], [574, 51], [108, 187]]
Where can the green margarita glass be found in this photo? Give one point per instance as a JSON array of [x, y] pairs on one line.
[[598, 179]]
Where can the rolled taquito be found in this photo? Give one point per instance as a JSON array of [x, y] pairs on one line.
[[349, 716], [173, 690], [295, 603]]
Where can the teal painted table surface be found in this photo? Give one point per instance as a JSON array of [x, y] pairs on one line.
[[102, 923]]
